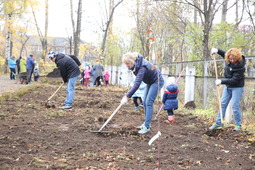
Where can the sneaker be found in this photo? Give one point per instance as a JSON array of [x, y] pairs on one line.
[[144, 130], [137, 108], [140, 127], [237, 128], [216, 126], [65, 107]]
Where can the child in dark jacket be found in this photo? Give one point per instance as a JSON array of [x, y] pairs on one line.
[[170, 100]]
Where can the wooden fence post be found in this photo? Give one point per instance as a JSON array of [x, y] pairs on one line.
[[189, 84]]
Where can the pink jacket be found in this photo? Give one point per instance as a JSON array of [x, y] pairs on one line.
[[106, 76], [87, 73]]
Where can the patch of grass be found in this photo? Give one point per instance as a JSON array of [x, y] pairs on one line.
[[59, 82], [249, 121], [56, 131], [21, 92], [44, 80], [6, 96], [149, 158], [6, 138], [53, 115], [39, 163], [191, 125], [211, 113], [205, 113], [17, 94], [3, 115], [35, 107]]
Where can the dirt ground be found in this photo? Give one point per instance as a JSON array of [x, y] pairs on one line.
[[33, 136]]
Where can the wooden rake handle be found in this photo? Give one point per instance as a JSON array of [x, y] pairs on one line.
[[218, 88], [108, 120], [55, 92]]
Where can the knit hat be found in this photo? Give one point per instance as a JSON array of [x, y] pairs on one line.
[[170, 80]]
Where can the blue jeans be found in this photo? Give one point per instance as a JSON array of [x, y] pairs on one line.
[[29, 75], [235, 94], [70, 91], [150, 94], [92, 81]]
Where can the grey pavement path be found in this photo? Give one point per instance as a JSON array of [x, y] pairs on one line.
[[7, 85]]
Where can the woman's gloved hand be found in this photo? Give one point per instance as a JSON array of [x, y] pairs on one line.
[[124, 100]]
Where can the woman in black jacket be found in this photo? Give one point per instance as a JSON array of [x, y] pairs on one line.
[[234, 85]]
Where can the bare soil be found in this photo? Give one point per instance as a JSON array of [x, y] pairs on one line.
[[33, 136]]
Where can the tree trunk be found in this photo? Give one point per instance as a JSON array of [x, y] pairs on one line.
[[78, 29], [195, 12], [224, 11], [73, 25], [70, 40], [108, 25], [8, 44], [206, 29], [43, 38], [44, 41], [237, 15], [23, 45]]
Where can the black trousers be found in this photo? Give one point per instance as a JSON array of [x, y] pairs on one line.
[[170, 112], [97, 81], [135, 100], [12, 73]]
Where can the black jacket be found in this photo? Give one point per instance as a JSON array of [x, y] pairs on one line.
[[68, 67], [233, 73]]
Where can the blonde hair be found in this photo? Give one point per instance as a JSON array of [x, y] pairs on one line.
[[129, 58], [236, 53]]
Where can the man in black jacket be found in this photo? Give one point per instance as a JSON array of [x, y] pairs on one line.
[[70, 72]]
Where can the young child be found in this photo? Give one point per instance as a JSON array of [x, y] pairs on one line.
[[87, 72], [106, 78], [170, 100], [36, 73], [138, 94]]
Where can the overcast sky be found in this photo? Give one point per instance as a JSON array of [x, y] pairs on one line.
[[60, 20]]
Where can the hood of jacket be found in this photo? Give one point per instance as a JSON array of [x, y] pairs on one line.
[[238, 65], [172, 88], [140, 61], [59, 57]]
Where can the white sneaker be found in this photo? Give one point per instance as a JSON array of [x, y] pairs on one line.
[[140, 127], [66, 107], [144, 130]]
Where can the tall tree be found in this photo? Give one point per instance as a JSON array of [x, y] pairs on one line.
[[43, 38], [23, 38], [207, 10], [224, 11], [77, 28], [109, 18], [248, 5], [11, 10]]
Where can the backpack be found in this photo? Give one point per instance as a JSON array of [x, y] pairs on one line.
[[75, 59]]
